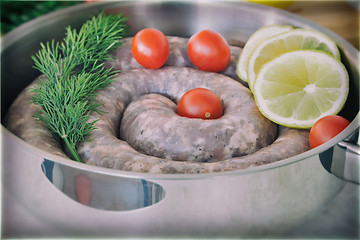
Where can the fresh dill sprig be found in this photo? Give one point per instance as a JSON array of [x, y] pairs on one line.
[[74, 71]]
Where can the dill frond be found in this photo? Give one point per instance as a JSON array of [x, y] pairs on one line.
[[75, 71]]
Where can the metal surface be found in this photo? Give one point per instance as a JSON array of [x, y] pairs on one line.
[[269, 200], [343, 160]]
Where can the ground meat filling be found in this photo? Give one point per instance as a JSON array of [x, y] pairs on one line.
[[151, 126], [140, 130]]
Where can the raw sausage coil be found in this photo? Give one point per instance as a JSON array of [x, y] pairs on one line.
[[141, 131]]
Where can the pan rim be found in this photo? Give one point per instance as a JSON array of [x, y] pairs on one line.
[[21, 31]]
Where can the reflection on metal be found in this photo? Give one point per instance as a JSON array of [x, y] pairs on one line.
[[102, 191], [343, 159]]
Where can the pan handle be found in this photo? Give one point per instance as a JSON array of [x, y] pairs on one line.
[[29, 178], [343, 160]]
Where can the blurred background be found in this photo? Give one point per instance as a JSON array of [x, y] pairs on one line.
[[340, 16], [15, 13]]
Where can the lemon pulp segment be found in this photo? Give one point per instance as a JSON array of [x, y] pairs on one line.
[[296, 39], [256, 38], [299, 87]]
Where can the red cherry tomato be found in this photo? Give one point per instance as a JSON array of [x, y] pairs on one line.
[[150, 48], [200, 103], [209, 51], [325, 129]]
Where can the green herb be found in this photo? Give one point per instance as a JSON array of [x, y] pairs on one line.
[[75, 71]]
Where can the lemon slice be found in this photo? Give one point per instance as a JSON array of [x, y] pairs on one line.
[[273, 3], [256, 38], [289, 41], [300, 87]]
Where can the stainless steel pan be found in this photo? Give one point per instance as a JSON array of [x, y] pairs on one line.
[[262, 201]]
